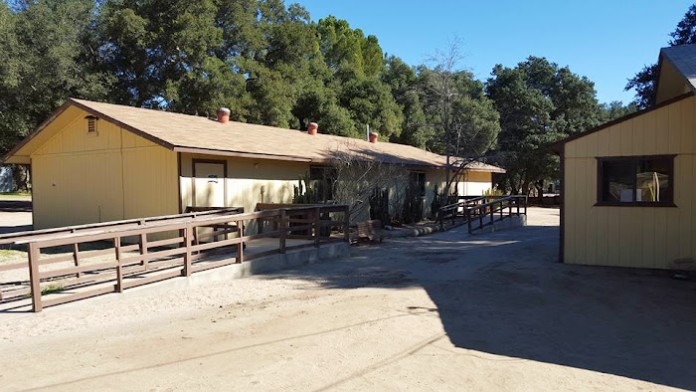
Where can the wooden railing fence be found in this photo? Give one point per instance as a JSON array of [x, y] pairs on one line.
[[91, 260], [482, 211]]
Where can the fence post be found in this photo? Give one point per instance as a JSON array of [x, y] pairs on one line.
[[468, 219], [76, 255], [282, 226], [346, 224], [34, 255], [143, 247], [317, 227], [240, 246], [517, 202], [187, 256], [119, 266], [525, 205]]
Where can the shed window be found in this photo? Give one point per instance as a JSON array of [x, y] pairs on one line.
[[638, 181]]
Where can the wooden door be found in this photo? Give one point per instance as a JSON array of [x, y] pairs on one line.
[[209, 183]]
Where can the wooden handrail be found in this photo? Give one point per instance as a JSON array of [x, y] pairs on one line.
[[470, 210], [164, 258], [14, 238]]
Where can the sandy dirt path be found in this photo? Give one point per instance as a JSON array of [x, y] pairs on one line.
[[15, 213], [446, 312]]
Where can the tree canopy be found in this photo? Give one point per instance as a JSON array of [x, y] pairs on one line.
[[539, 103], [271, 64]]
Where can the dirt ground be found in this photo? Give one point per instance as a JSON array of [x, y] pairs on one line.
[[445, 312]]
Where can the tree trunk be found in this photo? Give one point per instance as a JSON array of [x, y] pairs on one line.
[[20, 175], [525, 188], [540, 188]]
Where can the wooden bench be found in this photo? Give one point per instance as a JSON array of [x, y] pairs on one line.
[[370, 230]]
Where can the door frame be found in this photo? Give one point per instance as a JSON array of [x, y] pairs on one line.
[[222, 162]]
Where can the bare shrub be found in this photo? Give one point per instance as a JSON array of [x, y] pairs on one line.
[[359, 175]]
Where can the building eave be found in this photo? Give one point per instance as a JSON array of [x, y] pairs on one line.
[[121, 124], [11, 157], [240, 154], [558, 146]]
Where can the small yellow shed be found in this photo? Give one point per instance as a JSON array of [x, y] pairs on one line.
[[628, 186], [94, 162]]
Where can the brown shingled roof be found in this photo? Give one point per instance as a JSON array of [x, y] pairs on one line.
[[187, 133]]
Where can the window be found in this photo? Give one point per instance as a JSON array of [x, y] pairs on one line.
[[323, 178], [417, 182], [639, 181]]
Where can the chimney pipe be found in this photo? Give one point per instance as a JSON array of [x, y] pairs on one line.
[[312, 128], [373, 137], [223, 115]]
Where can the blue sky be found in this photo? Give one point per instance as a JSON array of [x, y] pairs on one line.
[[607, 41]]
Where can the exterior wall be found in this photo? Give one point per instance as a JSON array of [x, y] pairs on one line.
[[671, 83], [433, 179], [253, 181], [475, 183], [645, 237], [249, 181], [111, 174]]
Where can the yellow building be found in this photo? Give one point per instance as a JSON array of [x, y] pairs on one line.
[[96, 162], [629, 191]]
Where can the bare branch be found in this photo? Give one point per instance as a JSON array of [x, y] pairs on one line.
[[359, 175]]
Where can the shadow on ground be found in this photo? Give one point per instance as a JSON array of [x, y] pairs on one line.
[[14, 216], [505, 293], [15, 206]]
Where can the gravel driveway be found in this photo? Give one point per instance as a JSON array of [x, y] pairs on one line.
[[446, 312]]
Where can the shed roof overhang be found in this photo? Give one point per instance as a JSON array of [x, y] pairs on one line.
[[558, 146]]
